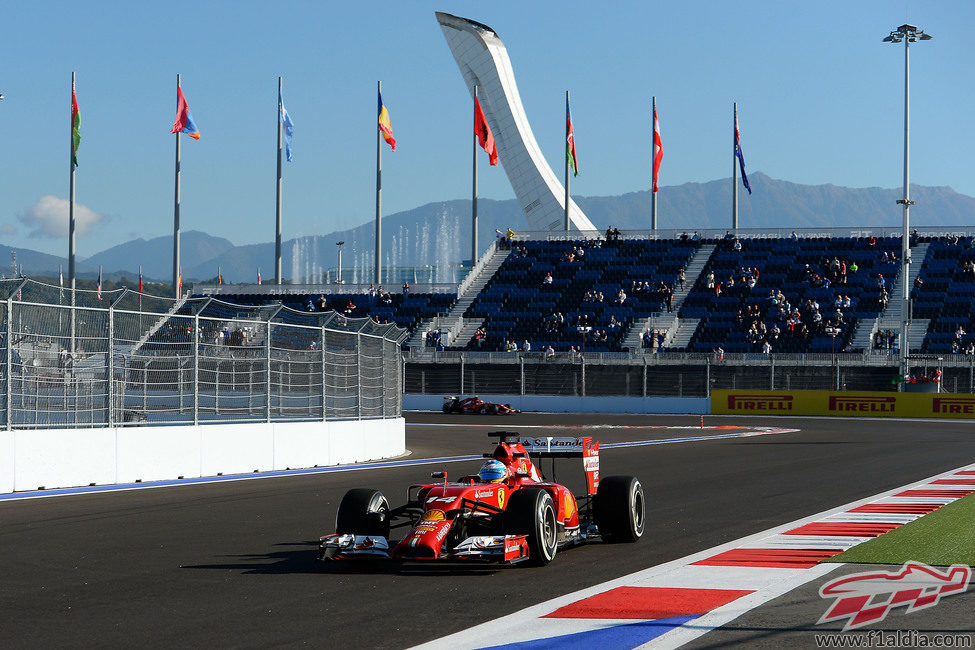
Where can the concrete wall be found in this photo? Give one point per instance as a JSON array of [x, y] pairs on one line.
[[575, 404], [53, 458]]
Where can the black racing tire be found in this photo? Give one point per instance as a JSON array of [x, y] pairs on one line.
[[531, 512], [620, 509], [446, 408], [363, 511], [483, 410], [492, 409]]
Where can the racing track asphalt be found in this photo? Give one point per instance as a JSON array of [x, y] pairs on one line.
[[232, 564]]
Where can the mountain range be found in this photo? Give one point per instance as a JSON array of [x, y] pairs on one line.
[[438, 234]]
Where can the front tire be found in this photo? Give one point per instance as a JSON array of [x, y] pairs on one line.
[[531, 512], [363, 511], [620, 509]]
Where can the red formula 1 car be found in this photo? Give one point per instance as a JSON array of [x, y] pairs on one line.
[[520, 518], [453, 404]]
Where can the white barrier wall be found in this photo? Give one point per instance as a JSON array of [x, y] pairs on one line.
[[575, 404], [53, 458]]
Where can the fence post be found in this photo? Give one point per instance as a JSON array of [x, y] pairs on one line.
[[707, 378], [971, 374], [10, 360], [462, 374], [644, 375], [521, 375], [771, 360], [196, 367], [110, 371], [836, 361], [358, 375], [323, 375], [583, 376], [267, 370]]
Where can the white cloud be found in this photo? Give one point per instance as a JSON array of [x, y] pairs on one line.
[[48, 218], [8, 229]]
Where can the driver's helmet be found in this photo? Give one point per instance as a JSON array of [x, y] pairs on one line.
[[493, 471]]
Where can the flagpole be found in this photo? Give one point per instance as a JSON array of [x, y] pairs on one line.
[[277, 237], [474, 190], [176, 288], [734, 175], [567, 163], [71, 222], [653, 164], [379, 198]]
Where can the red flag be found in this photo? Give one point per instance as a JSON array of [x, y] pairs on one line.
[[483, 132], [658, 149]]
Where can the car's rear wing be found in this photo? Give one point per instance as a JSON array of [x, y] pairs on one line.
[[583, 447]]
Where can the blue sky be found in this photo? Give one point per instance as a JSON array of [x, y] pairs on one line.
[[820, 101]]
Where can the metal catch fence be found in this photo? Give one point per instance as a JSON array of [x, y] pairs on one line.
[[121, 365]]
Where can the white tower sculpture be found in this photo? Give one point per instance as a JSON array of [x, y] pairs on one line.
[[484, 63]]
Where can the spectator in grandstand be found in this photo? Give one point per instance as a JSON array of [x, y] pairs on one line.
[[728, 235], [872, 241], [710, 280], [548, 278], [881, 282], [766, 347], [736, 246], [510, 346], [613, 323], [717, 290], [681, 278], [621, 297], [719, 354], [648, 339], [684, 236], [349, 308], [372, 290], [509, 235], [960, 333], [696, 236], [526, 346], [970, 348], [915, 238], [669, 298], [794, 236], [955, 348], [918, 283], [580, 252], [549, 352], [310, 306], [854, 267], [660, 340], [321, 303], [406, 288]]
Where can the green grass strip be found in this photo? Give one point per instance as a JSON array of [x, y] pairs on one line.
[[941, 538]]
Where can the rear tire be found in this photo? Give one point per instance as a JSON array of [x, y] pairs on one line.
[[363, 511], [620, 509], [492, 409], [531, 512]]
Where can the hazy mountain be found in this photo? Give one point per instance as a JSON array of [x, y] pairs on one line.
[[438, 234], [195, 247]]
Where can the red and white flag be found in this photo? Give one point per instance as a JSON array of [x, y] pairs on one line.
[[658, 149]]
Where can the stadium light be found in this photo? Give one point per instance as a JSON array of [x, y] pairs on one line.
[[908, 34]]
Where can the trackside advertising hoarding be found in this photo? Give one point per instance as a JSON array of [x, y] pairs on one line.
[[843, 403]]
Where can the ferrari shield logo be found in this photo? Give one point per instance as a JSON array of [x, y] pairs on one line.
[[501, 498]]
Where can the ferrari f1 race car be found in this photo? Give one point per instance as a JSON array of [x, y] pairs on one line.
[[507, 513], [453, 404]]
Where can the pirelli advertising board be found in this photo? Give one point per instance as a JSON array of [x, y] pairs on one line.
[[843, 403]]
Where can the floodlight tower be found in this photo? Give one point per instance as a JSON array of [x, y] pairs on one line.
[[908, 34]]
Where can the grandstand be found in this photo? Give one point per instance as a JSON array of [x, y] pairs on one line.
[[748, 293]]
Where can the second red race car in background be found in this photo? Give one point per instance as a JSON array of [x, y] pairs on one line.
[[454, 404]]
